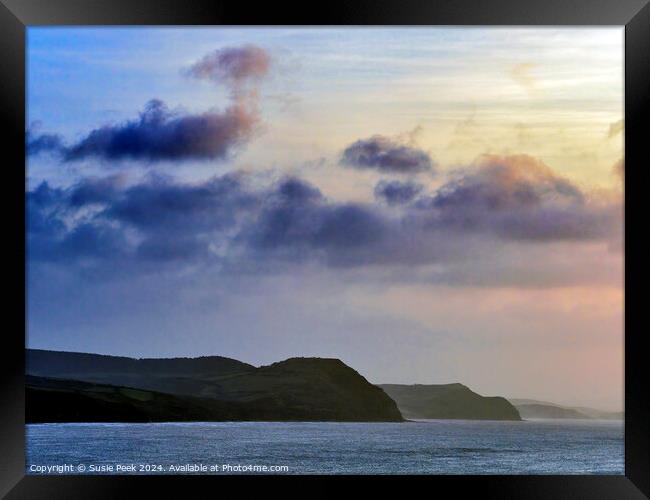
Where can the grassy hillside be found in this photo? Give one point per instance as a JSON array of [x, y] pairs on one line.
[[299, 389], [58, 400]]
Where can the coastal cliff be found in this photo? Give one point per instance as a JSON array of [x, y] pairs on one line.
[[448, 401]]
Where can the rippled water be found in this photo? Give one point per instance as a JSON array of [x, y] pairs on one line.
[[422, 447]]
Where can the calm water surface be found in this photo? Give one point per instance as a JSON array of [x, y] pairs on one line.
[[422, 447]]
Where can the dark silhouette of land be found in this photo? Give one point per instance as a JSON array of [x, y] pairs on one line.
[[57, 400], [530, 408], [90, 387], [449, 401], [80, 387]]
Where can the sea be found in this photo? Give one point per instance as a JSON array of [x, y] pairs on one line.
[[415, 447]]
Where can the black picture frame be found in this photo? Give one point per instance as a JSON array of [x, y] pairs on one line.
[[16, 15]]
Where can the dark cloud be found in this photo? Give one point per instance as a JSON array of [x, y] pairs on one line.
[[296, 222], [166, 206], [43, 143], [236, 222], [153, 220], [165, 248], [506, 183], [45, 224], [517, 197], [386, 155], [51, 238], [160, 135], [294, 190], [94, 190], [213, 221], [92, 240], [397, 192]]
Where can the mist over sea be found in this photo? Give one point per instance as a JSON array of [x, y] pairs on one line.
[[421, 447]]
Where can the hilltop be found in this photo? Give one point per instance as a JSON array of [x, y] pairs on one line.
[[448, 401]]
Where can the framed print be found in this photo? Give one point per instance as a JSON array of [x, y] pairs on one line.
[[384, 242]]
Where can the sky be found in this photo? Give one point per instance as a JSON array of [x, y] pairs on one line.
[[429, 205]]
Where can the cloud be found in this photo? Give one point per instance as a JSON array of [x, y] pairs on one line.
[[222, 221], [96, 190], [397, 192], [57, 233], [497, 183], [233, 66], [155, 219], [161, 205], [43, 143], [159, 134], [518, 197], [240, 224], [386, 155], [296, 223]]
